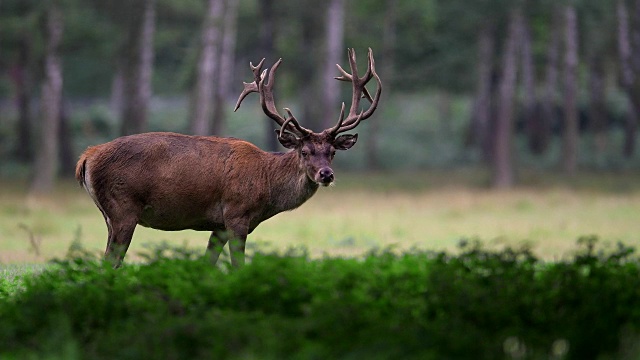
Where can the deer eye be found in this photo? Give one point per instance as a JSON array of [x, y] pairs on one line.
[[304, 153], [332, 154]]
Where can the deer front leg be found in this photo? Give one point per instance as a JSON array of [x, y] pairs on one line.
[[217, 241], [239, 228], [237, 247]]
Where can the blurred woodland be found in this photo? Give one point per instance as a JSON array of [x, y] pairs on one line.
[[499, 84]]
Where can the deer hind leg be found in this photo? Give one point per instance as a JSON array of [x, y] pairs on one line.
[[109, 229], [217, 241], [120, 234]]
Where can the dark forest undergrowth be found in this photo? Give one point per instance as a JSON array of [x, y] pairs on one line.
[[480, 304]]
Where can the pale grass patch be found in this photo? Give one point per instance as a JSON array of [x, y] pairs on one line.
[[351, 220], [549, 220]]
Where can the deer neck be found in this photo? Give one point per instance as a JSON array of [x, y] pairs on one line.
[[290, 185]]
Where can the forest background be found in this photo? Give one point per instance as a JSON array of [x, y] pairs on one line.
[[511, 122], [495, 84]]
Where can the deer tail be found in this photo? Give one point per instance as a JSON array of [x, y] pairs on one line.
[[80, 170]]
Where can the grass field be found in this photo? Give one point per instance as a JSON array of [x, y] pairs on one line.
[[364, 211]]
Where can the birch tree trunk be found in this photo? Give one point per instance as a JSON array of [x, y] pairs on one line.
[[116, 98], [21, 77], [528, 84], [138, 68], [631, 131], [480, 120], [628, 57], [46, 161], [334, 48], [267, 36], [227, 66], [207, 65], [550, 96], [308, 63], [66, 155], [570, 134], [597, 106], [503, 173], [389, 38]]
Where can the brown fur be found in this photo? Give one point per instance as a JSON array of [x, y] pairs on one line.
[[170, 181]]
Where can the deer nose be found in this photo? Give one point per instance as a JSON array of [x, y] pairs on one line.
[[326, 175]]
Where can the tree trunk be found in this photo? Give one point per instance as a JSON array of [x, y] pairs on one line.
[[597, 106], [117, 90], [627, 75], [531, 121], [308, 88], [634, 91], [138, 67], [443, 107], [46, 164], [226, 68], [570, 134], [267, 37], [549, 99], [206, 81], [147, 59], [67, 155], [503, 173], [480, 118], [334, 48], [628, 59], [21, 78], [630, 133], [635, 55], [389, 37]]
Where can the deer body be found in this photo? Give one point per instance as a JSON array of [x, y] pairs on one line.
[[169, 181], [174, 182]]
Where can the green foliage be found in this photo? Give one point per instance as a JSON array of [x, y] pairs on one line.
[[477, 304]]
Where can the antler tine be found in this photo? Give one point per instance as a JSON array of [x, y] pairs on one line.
[[334, 130], [248, 89], [374, 101], [347, 77], [370, 67], [252, 86], [267, 101], [258, 68], [352, 125], [371, 71], [359, 91], [266, 94], [295, 123], [286, 122]]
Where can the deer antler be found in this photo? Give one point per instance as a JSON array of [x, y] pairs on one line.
[[265, 89], [359, 91]]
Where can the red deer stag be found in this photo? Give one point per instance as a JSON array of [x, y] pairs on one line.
[[170, 181]]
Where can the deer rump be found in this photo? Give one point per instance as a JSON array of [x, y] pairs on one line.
[[174, 182]]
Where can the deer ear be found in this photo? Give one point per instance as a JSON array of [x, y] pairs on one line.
[[345, 142], [288, 140]]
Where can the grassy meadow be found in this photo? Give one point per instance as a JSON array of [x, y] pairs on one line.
[[429, 211]]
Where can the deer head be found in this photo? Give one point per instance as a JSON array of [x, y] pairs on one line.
[[316, 150]]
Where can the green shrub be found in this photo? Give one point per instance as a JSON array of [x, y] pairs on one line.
[[478, 304]]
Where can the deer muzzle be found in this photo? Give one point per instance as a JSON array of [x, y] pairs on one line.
[[325, 176]]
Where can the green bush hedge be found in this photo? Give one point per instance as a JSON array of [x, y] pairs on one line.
[[478, 304]]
